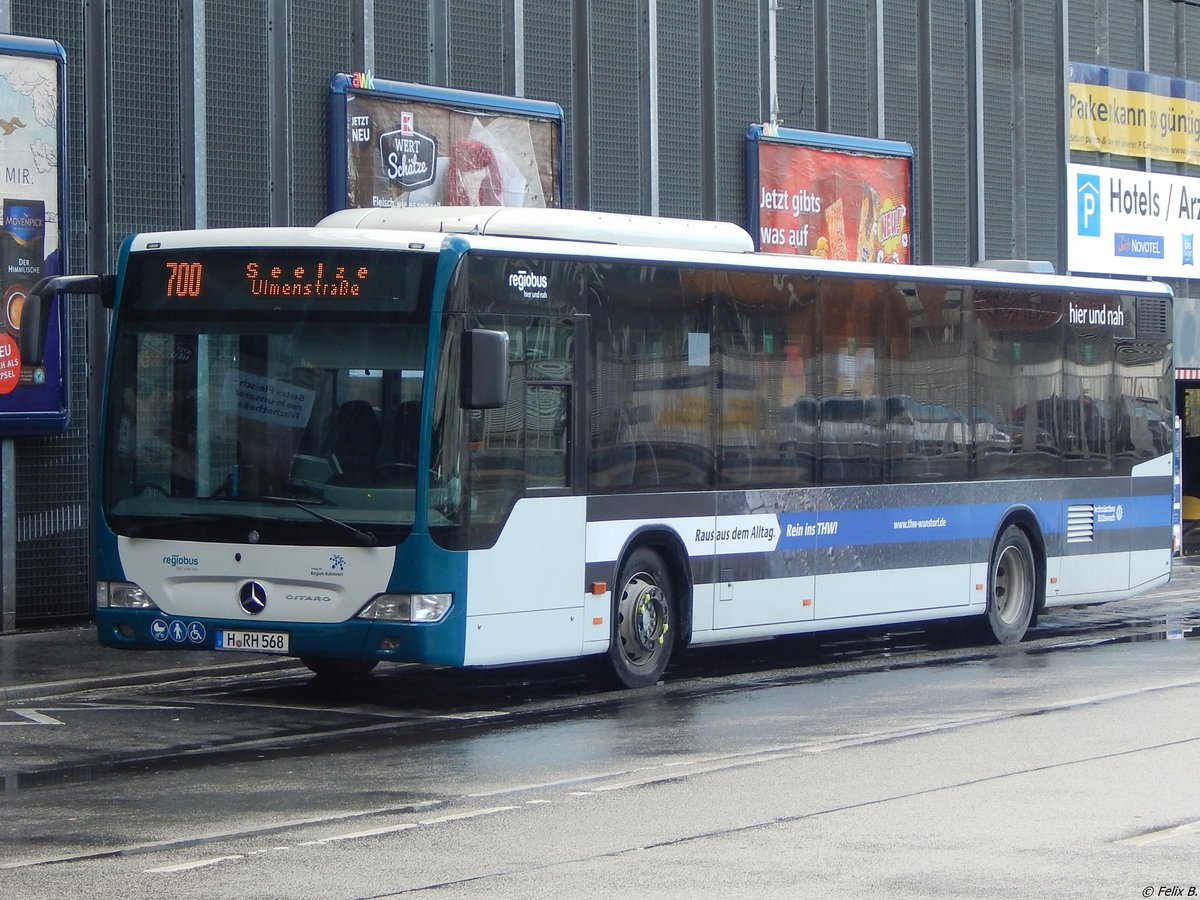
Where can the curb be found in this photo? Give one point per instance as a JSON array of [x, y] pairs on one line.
[[53, 689]]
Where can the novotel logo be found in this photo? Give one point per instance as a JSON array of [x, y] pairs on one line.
[[1139, 246]]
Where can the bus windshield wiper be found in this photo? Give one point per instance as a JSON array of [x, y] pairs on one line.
[[365, 538]]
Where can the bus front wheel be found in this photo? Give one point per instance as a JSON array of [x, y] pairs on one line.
[[1012, 588], [643, 620]]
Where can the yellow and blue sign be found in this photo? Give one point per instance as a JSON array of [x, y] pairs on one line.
[[1133, 113]]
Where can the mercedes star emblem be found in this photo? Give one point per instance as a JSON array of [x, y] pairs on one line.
[[253, 597]]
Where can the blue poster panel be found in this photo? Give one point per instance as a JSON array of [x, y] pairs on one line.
[[394, 144], [33, 398]]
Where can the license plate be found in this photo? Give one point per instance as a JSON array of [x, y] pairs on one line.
[[253, 641]]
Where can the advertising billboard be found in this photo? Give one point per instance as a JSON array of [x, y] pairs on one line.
[[1133, 113], [834, 196], [33, 399], [394, 144], [1130, 223]]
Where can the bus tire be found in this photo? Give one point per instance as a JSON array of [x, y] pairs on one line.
[[325, 667], [643, 620], [1012, 588]]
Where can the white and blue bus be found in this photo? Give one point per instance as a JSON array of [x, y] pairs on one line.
[[497, 436]]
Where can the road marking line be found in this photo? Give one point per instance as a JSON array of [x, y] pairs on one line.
[[370, 832], [37, 715], [543, 785], [738, 761], [34, 717], [456, 817], [185, 867], [1162, 834]]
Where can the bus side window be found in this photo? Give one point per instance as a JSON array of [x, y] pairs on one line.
[[547, 412]]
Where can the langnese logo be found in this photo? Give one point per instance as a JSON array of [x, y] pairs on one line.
[[531, 285], [1087, 205]]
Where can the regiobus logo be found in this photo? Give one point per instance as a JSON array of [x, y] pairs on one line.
[[531, 284]]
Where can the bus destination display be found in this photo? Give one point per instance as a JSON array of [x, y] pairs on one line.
[[186, 279], [258, 278]]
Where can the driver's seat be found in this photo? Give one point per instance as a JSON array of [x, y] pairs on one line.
[[356, 434]]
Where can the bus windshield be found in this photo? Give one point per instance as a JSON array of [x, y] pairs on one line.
[[268, 395]]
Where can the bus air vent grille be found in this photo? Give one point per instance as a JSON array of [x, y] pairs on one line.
[[1153, 318], [1081, 523]]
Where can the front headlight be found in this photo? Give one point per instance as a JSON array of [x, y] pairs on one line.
[[122, 595], [407, 607]]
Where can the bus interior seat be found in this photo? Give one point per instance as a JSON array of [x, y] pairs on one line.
[[356, 435]]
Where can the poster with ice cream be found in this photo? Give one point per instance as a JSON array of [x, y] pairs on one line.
[[832, 196]]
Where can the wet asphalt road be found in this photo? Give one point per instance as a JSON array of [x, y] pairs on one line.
[[878, 762]]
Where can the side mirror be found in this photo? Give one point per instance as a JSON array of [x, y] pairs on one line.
[[483, 381], [35, 314]]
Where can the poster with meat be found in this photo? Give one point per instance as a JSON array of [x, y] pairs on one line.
[[832, 196], [394, 144]]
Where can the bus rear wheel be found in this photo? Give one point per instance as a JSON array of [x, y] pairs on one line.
[[1012, 588], [643, 632]]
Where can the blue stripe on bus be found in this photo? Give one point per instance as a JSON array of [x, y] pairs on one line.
[[898, 525]]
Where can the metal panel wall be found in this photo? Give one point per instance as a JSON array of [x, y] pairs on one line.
[[402, 41], [951, 233], [318, 46], [902, 95], [144, 115], [997, 116], [1123, 33], [549, 73], [53, 548], [1086, 32], [900, 104], [738, 96], [852, 68], [796, 73], [1043, 87], [476, 45], [1189, 36], [237, 116], [617, 154], [1162, 37], [678, 99]]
